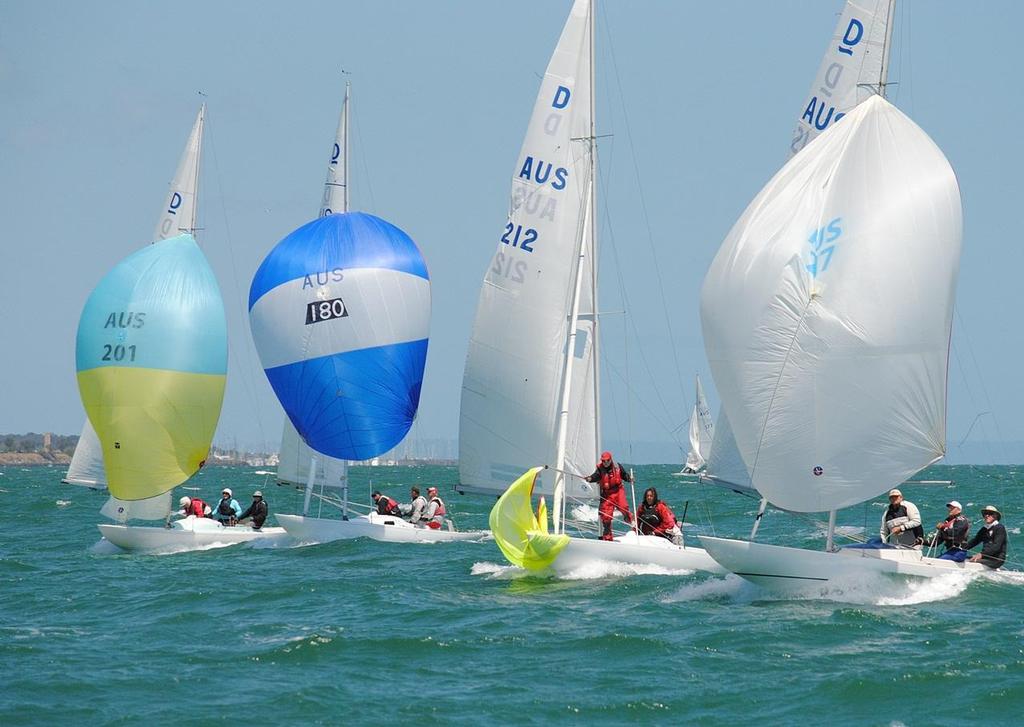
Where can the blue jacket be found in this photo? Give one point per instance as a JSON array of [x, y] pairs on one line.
[[233, 504]]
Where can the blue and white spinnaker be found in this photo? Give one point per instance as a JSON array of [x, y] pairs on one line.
[[340, 313]]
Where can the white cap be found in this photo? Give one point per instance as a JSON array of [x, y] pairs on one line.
[[185, 501], [228, 491], [955, 504], [895, 493], [258, 493]]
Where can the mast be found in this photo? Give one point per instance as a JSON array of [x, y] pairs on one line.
[[595, 355], [883, 74], [336, 185], [558, 499], [194, 211]]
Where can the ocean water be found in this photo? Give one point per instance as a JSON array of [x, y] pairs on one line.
[[362, 632]]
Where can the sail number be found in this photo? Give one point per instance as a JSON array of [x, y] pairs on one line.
[[822, 242], [325, 310], [118, 352], [516, 236]]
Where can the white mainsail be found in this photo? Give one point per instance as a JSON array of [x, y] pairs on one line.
[[299, 463], [702, 433], [827, 314], [854, 68], [516, 366], [177, 215]]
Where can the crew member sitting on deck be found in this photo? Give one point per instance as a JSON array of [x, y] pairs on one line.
[[193, 506], [386, 505], [654, 517], [992, 536], [901, 522], [952, 533], [228, 509], [613, 494], [258, 511], [436, 510], [417, 507]]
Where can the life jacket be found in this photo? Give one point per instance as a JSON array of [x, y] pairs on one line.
[[197, 508], [225, 509], [949, 535], [901, 511], [440, 511], [611, 478], [648, 516], [390, 506]]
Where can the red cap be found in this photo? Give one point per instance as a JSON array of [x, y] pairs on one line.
[[606, 455]]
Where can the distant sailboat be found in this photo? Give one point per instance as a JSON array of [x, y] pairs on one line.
[[531, 386], [349, 368], [830, 350], [702, 434]]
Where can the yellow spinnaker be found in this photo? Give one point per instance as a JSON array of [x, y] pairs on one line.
[[523, 540]]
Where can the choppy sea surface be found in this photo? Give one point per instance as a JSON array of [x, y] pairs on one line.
[[363, 632]]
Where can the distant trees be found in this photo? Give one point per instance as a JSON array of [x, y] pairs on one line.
[[33, 442]]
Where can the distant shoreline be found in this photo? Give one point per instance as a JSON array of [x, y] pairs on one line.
[[33, 458]]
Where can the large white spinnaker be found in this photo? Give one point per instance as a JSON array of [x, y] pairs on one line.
[[516, 363], [827, 314], [854, 68], [177, 215], [702, 433]]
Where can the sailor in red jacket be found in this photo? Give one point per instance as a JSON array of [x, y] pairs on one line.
[[193, 506], [385, 505], [653, 517], [613, 494]]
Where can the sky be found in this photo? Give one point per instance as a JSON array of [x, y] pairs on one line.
[[696, 105]]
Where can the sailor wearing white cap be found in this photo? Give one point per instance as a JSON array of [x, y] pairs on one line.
[[901, 522], [952, 533]]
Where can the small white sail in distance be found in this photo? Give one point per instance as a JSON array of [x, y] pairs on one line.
[[827, 314], [177, 215], [855, 67], [702, 433]]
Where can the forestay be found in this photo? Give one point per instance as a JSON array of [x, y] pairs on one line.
[[854, 68], [340, 313], [827, 314], [151, 357], [512, 386]]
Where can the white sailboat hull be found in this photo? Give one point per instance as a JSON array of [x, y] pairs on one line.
[[379, 527], [189, 533], [782, 568], [633, 549]]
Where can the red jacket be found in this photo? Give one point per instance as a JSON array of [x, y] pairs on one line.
[[657, 520], [197, 508]]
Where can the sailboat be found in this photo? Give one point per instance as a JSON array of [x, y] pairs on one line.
[[151, 358], [829, 350], [348, 369], [702, 434], [531, 387]]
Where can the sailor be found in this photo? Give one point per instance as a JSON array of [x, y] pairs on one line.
[[258, 511], [417, 507], [386, 505], [228, 509], [654, 517], [435, 511], [901, 522], [193, 506], [952, 533], [613, 494], [992, 536]]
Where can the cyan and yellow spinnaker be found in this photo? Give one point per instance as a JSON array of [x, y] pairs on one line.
[[151, 357], [522, 537]]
